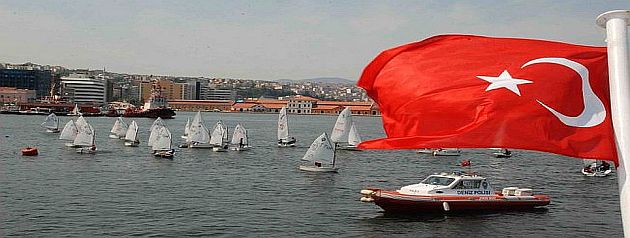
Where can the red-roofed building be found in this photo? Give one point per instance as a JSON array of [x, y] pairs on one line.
[[201, 105]]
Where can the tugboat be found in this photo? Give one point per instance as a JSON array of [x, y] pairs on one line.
[[155, 106], [454, 192]]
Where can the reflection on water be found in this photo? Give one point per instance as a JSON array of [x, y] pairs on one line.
[[126, 191]]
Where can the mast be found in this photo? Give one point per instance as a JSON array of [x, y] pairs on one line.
[[616, 25]]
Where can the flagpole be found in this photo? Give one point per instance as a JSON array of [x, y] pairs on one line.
[[616, 23]]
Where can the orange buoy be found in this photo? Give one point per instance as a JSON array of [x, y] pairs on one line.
[[29, 151]]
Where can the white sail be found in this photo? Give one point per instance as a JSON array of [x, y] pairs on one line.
[[69, 131], [240, 135], [132, 132], [120, 128], [157, 122], [219, 134], [353, 136], [187, 127], [322, 150], [85, 136], [342, 126], [51, 122], [81, 122], [198, 132], [163, 140], [75, 111], [283, 125]]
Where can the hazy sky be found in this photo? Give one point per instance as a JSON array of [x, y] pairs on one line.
[[267, 39]]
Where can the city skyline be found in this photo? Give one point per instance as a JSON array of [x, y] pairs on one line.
[[268, 40]]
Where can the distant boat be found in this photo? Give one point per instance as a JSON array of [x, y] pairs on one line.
[[321, 154], [76, 111], [119, 129], [219, 137], [68, 133], [353, 139], [283, 130], [502, 153], [86, 139], [239, 139], [131, 136], [51, 123], [425, 151], [596, 168], [198, 136], [447, 152], [152, 136], [186, 129], [342, 126], [163, 145]]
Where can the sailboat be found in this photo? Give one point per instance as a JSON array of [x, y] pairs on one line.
[[119, 129], [219, 137], [85, 139], [353, 139], [321, 154], [131, 136], [283, 130], [152, 136], [51, 123], [163, 145], [186, 129], [68, 133], [75, 111], [596, 168], [198, 136], [239, 139]]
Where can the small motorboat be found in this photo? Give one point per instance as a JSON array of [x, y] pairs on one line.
[[451, 193], [427, 151], [502, 153], [30, 151], [447, 152], [596, 168]]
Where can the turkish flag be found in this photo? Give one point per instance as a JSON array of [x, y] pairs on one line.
[[462, 91]]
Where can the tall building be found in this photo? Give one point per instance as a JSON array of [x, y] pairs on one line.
[[170, 90], [38, 80], [81, 89]]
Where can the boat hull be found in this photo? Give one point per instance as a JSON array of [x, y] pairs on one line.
[[219, 149], [201, 146], [349, 148], [86, 151], [132, 143], [311, 168], [597, 174], [52, 130], [164, 154], [236, 148], [502, 155], [282, 144], [394, 202]]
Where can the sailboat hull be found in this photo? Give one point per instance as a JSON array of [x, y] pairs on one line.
[[132, 143], [311, 168], [52, 130], [86, 150], [219, 149], [113, 136], [72, 145], [446, 152], [597, 174], [200, 146], [164, 154], [236, 148], [501, 155], [350, 148]]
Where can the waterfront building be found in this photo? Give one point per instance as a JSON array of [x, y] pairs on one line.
[[27, 78], [16, 95], [219, 94], [201, 105], [81, 89], [299, 104]]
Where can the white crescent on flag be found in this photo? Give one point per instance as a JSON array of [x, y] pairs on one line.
[[594, 112]]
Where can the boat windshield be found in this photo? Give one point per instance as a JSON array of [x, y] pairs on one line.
[[438, 180]]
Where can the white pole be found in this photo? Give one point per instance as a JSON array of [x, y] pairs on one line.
[[616, 23]]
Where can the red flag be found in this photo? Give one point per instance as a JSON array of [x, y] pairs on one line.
[[481, 92]]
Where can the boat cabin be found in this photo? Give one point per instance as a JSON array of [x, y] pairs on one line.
[[450, 184]]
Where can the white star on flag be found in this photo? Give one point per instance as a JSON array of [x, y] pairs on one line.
[[504, 80]]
